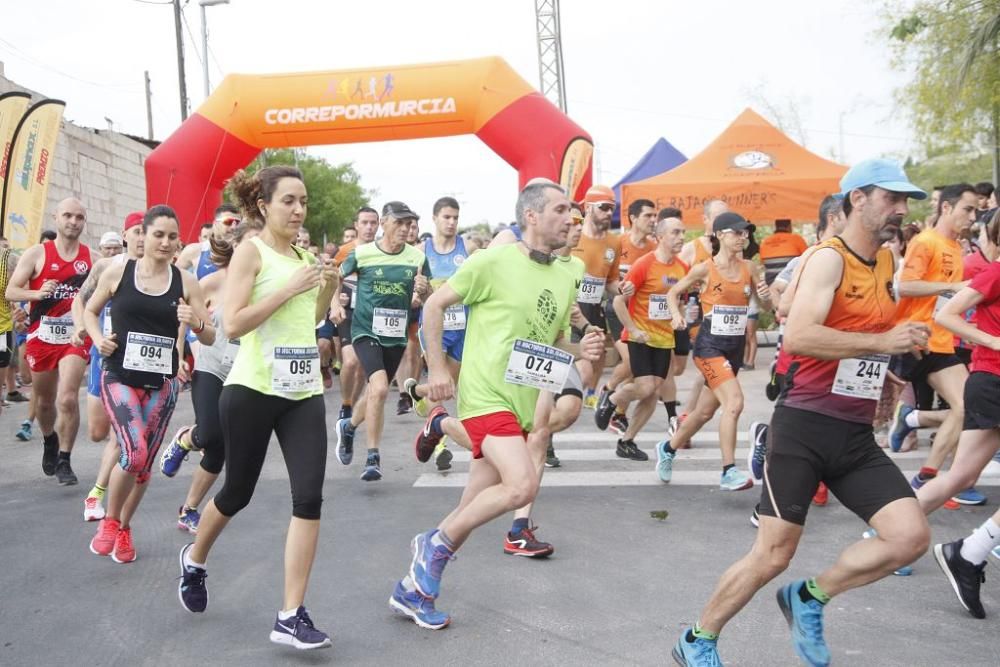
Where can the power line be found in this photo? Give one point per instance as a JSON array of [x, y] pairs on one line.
[[191, 35], [152, 2], [18, 53]]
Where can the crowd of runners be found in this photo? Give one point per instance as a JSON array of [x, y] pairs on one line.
[[885, 328]]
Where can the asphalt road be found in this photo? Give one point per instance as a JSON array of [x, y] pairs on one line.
[[618, 591]]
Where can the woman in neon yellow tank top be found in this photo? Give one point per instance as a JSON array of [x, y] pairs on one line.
[[275, 294]]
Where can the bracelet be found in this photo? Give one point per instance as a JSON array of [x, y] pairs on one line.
[[199, 329]]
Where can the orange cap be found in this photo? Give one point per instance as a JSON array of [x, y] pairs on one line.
[[599, 194]]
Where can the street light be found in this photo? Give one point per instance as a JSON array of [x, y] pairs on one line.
[[204, 37]]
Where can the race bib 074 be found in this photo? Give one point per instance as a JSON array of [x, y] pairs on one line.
[[536, 365]]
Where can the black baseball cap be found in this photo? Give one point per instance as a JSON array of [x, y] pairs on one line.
[[399, 210], [730, 220]]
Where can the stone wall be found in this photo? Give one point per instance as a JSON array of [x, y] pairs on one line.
[[102, 168]]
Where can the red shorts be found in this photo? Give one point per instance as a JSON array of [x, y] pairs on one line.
[[501, 423], [44, 356]]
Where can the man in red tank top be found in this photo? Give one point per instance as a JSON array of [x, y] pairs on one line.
[[48, 276]]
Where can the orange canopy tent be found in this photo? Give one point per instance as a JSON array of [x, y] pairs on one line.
[[753, 167]]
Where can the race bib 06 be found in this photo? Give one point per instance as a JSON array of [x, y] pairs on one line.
[[658, 309]]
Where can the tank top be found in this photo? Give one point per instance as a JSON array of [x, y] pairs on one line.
[[700, 253], [218, 357], [49, 319], [145, 328], [725, 306], [280, 357], [6, 321], [444, 266], [515, 230], [864, 302], [205, 265]]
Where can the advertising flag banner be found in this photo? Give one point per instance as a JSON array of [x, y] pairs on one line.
[[12, 108]]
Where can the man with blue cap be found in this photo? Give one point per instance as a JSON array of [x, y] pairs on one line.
[[840, 337]]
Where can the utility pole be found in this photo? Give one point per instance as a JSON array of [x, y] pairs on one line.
[[180, 60], [149, 107], [204, 40]]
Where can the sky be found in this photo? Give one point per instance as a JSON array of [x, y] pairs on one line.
[[635, 70]]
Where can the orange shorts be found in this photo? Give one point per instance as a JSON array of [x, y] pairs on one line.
[[501, 423], [44, 356], [716, 370]]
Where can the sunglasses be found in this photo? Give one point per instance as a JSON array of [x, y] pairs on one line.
[[607, 207], [229, 222], [740, 232]]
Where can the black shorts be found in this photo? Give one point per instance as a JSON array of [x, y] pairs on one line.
[[375, 358], [805, 448], [682, 342], [594, 312], [645, 360], [982, 402], [964, 355], [326, 330], [8, 349], [615, 326], [911, 369], [344, 328]]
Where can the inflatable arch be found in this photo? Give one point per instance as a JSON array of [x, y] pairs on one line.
[[248, 113]]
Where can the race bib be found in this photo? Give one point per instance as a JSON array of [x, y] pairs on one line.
[[729, 320], [861, 377], [56, 330], [229, 356], [389, 322], [295, 369], [658, 309], [148, 353], [591, 290], [454, 318], [942, 301], [3, 342], [540, 366]]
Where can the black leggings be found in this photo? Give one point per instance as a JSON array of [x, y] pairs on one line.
[[248, 419], [206, 434]]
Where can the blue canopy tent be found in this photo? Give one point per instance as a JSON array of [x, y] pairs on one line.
[[661, 157]]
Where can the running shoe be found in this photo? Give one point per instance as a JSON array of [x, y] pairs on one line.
[[822, 495], [420, 405], [551, 460], [618, 423], [590, 399], [64, 473], [299, 632], [345, 412], [735, 479], [758, 450], [103, 542], [443, 456], [806, 622], [345, 440], [428, 564], [191, 589], [124, 551], [418, 608], [427, 439], [50, 456], [93, 510], [17, 397], [904, 571], [373, 468], [627, 449], [672, 425], [604, 411], [664, 461], [188, 519], [174, 453], [970, 497], [898, 430], [696, 652], [526, 544], [755, 516], [404, 405], [964, 577], [24, 433]]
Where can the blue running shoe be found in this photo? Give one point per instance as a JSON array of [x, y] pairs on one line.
[[188, 519], [373, 468], [419, 608], [735, 480], [24, 433], [758, 450], [899, 430], [299, 631], [904, 571], [428, 564], [806, 622], [970, 497], [174, 453], [697, 653], [191, 590], [664, 461], [345, 441]]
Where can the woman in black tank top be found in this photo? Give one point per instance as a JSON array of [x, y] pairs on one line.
[[153, 305]]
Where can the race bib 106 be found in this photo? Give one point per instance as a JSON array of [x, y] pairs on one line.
[[56, 330]]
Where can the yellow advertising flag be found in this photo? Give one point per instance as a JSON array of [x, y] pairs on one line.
[[25, 189], [12, 107]]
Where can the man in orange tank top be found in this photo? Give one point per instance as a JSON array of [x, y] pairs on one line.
[[49, 275], [840, 338]]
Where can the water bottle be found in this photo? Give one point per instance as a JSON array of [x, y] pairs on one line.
[[691, 315]]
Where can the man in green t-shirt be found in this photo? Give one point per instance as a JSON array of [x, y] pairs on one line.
[[519, 303], [389, 272]]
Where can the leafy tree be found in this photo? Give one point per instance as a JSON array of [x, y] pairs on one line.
[[335, 191], [952, 49]]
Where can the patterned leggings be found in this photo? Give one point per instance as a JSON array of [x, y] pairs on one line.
[[140, 418]]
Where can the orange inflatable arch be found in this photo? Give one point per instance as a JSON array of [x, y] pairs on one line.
[[248, 113]]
